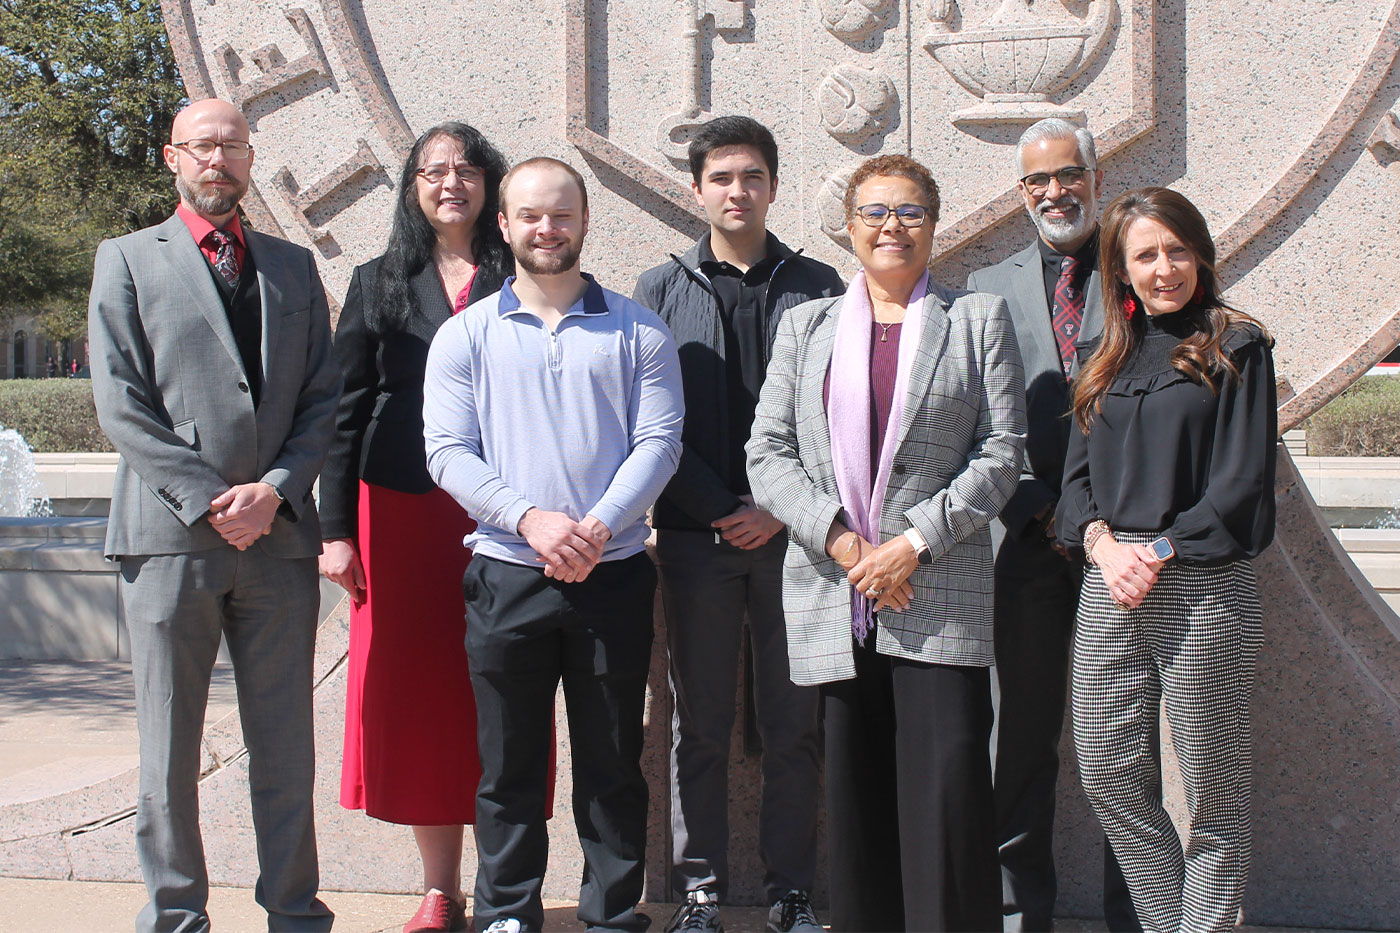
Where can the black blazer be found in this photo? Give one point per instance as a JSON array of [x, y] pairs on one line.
[[379, 425]]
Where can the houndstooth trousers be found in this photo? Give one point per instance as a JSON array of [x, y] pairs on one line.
[[1194, 641]]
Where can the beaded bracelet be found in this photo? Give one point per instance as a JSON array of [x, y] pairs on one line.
[[1092, 533]]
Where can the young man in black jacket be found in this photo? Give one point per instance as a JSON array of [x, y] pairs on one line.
[[720, 555]]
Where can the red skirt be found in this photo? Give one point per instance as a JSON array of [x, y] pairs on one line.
[[410, 719]]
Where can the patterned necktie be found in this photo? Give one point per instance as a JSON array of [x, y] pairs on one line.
[[1068, 313], [226, 260]]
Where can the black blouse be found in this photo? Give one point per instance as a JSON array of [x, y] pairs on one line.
[[1164, 455], [379, 424]]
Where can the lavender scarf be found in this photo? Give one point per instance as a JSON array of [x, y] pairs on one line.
[[848, 417]]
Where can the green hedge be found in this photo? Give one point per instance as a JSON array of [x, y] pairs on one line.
[[54, 415], [1364, 421]]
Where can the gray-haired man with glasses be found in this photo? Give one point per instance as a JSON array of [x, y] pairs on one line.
[[1052, 289]]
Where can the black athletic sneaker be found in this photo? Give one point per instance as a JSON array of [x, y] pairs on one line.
[[699, 912], [794, 914]]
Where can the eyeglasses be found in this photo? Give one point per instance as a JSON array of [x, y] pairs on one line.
[[465, 171], [908, 215], [1039, 182], [204, 148]]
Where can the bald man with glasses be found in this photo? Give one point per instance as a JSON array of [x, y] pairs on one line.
[[214, 378]]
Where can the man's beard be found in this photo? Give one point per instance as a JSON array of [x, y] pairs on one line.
[[210, 201], [1064, 232], [549, 263]]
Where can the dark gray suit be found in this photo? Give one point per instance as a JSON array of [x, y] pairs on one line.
[[1037, 593], [173, 396]]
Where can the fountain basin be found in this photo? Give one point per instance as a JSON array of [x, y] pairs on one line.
[[58, 595]]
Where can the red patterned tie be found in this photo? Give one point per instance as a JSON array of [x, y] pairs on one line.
[[226, 260], [1068, 312]]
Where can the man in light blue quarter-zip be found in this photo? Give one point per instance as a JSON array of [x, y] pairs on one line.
[[552, 412]]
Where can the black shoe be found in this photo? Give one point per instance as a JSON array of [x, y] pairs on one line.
[[699, 912], [794, 914]]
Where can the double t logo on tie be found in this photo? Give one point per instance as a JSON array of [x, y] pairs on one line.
[[226, 260], [1068, 313]]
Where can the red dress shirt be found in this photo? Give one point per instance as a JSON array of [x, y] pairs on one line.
[[200, 229]]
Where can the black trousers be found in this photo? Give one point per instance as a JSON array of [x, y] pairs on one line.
[[526, 632], [708, 590], [909, 797], [1037, 593]]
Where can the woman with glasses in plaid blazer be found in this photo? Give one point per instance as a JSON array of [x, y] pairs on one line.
[[889, 433]]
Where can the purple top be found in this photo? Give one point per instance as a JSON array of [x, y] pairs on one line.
[[884, 368]]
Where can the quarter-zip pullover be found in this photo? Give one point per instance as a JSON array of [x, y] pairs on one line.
[[584, 419]]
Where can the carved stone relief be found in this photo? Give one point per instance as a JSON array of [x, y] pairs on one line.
[[857, 103], [672, 133], [1385, 141], [830, 205], [1019, 57], [854, 20], [276, 72]]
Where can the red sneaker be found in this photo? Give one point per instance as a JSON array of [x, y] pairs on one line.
[[437, 912]]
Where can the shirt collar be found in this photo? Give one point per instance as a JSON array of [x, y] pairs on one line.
[[593, 302], [759, 271], [1088, 254], [200, 227]]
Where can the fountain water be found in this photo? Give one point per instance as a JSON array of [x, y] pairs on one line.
[[21, 494]]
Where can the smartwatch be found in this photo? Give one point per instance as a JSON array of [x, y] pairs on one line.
[[1162, 549], [920, 545]]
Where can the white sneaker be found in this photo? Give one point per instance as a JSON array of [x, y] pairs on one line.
[[504, 925]]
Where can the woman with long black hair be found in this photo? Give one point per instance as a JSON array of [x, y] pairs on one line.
[[1169, 490], [393, 540]]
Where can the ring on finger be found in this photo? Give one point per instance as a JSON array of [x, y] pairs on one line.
[[873, 593]]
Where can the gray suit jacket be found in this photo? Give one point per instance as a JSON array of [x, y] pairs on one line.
[[1020, 280], [958, 454], [171, 391]]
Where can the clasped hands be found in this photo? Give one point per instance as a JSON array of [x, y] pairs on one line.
[[568, 549], [881, 573], [1130, 570], [242, 514]]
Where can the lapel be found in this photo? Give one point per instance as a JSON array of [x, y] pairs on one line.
[[271, 293], [1093, 310], [1027, 293], [178, 248], [931, 342], [813, 378]]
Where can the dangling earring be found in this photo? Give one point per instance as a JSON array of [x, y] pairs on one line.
[[1200, 293], [1129, 308]]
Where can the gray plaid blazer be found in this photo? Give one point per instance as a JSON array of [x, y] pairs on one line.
[[957, 462]]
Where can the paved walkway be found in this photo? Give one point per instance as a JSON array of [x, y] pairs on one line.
[[66, 724], [44, 906]]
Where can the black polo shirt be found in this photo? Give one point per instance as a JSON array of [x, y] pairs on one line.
[[743, 297]]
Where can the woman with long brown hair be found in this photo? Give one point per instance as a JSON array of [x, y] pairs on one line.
[[1169, 491]]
